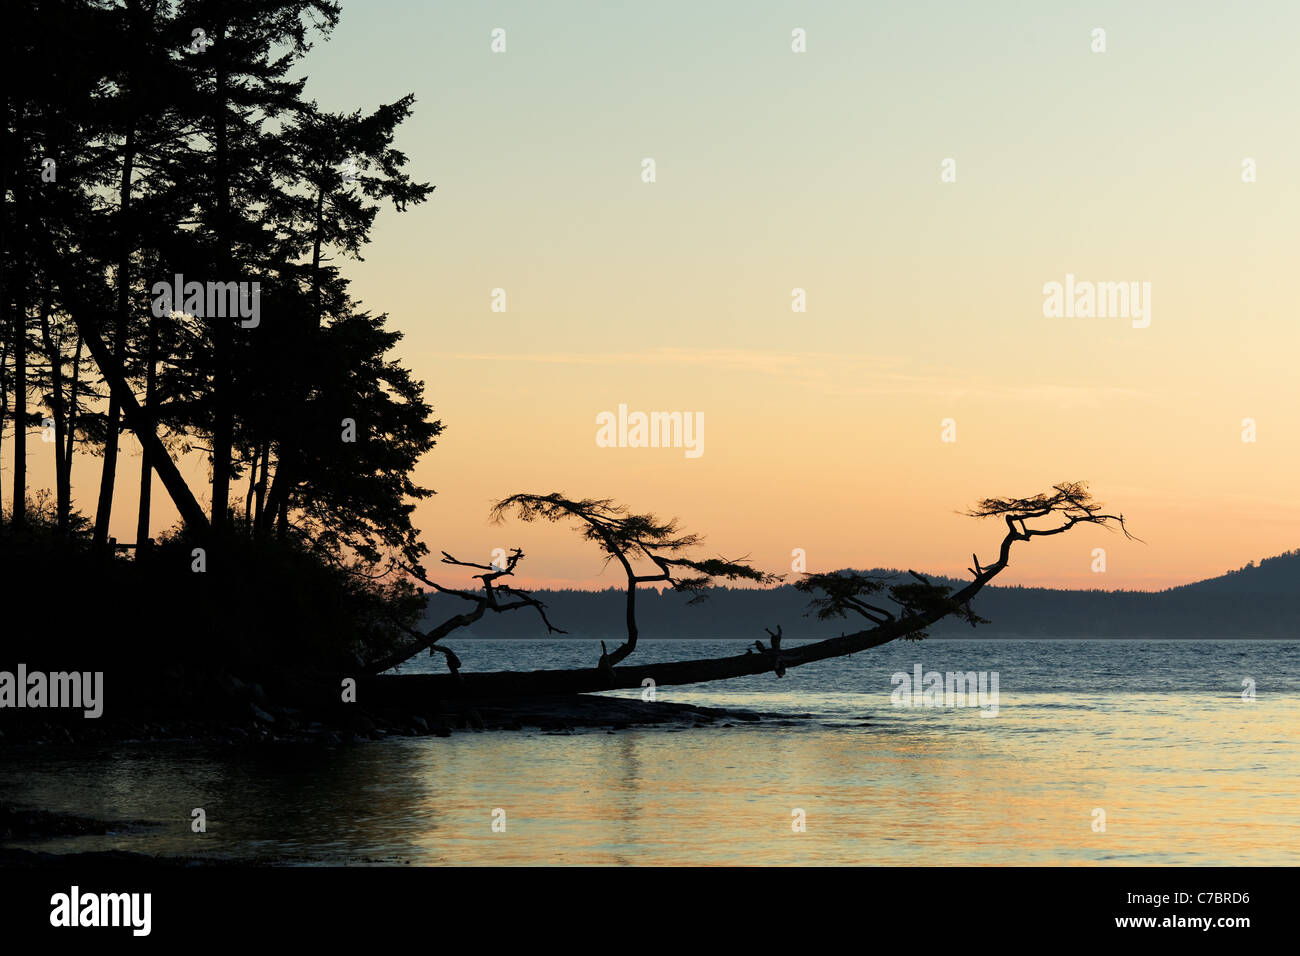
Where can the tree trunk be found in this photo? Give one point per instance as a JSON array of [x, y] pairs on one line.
[[4, 391], [277, 499], [62, 480], [8, 147], [223, 418], [18, 518], [146, 453], [5, 150], [17, 287], [252, 487], [190, 510], [593, 679], [72, 406], [261, 484], [108, 476]]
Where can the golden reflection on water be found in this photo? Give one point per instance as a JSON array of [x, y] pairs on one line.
[[1182, 779], [1212, 781]]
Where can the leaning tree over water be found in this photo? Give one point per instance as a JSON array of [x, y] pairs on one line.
[[624, 537]]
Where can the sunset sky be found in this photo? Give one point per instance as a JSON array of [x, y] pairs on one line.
[[821, 170]]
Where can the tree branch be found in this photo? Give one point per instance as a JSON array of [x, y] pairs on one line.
[[487, 601], [929, 606]]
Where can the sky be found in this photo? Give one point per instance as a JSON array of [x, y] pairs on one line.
[[823, 171]]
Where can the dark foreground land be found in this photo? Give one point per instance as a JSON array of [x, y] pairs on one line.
[[250, 716]]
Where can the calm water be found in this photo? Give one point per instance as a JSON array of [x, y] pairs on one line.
[[1155, 733]]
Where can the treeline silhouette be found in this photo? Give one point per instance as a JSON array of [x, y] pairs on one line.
[[1257, 601], [175, 208]]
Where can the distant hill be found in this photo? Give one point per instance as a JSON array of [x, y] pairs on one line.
[[1257, 601], [1276, 575]]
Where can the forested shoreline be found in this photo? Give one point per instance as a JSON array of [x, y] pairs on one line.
[[176, 210]]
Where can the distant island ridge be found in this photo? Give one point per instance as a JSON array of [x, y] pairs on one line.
[[1257, 601]]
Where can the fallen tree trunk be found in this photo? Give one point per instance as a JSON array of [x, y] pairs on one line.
[[1070, 501], [410, 688]]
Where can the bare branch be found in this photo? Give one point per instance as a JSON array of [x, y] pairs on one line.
[[484, 602]]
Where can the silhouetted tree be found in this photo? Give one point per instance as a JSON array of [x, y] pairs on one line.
[[489, 600], [243, 76], [628, 538], [918, 606], [335, 170]]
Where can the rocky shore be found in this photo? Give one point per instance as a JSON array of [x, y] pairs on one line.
[[232, 711]]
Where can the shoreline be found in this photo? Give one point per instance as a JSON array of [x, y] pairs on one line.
[[557, 715], [269, 723]]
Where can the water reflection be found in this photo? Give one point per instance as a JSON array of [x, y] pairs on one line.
[[1189, 777]]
